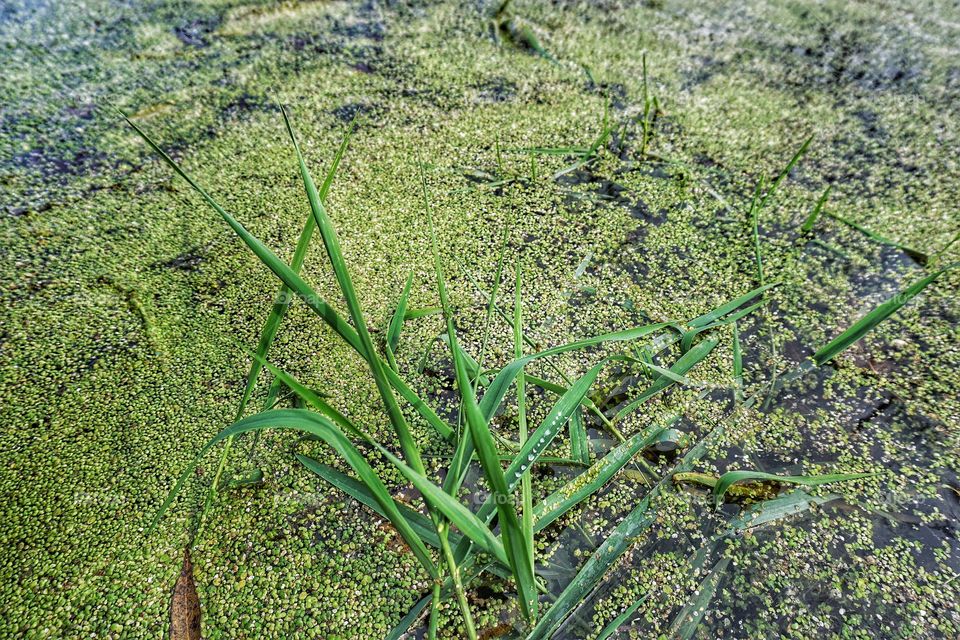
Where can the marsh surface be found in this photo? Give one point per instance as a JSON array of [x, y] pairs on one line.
[[123, 296]]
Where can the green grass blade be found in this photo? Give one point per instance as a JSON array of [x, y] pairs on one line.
[[284, 297], [727, 307], [686, 362], [728, 479], [737, 363], [420, 523], [687, 340], [815, 214], [786, 170], [298, 286], [919, 256], [526, 487], [594, 478], [755, 207], [325, 226], [862, 326], [514, 544], [498, 387], [321, 427], [399, 314], [579, 443], [424, 312]]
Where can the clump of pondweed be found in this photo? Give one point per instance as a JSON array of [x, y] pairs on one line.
[[477, 546]]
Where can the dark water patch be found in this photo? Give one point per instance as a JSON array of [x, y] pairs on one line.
[[189, 261], [247, 103], [197, 31], [348, 112], [496, 90]]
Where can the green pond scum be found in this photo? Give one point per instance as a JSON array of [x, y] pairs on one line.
[[617, 147]]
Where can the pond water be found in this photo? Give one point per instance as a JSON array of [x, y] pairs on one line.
[[123, 299]]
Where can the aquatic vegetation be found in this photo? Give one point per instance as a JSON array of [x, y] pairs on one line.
[[498, 537]]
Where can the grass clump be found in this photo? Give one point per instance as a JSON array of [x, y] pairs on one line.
[[452, 542]]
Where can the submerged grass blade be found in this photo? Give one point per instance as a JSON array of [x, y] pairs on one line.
[[728, 479], [616, 623], [689, 617], [862, 326]]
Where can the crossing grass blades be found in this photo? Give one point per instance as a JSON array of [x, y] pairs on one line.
[[452, 543]]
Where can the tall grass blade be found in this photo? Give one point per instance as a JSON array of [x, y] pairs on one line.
[[306, 293], [324, 225], [526, 487], [514, 542]]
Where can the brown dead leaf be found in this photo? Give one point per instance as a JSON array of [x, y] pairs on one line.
[[185, 604]]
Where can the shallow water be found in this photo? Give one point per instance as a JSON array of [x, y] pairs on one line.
[[122, 297]]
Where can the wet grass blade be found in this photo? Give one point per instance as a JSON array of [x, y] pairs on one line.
[[593, 479], [728, 479], [299, 287], [724, 309], [815, 214], [686, 362], [689, 617], [321, 427], [862, 326], [514, 544], [526, 488], [579, 443], [329, 235]]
